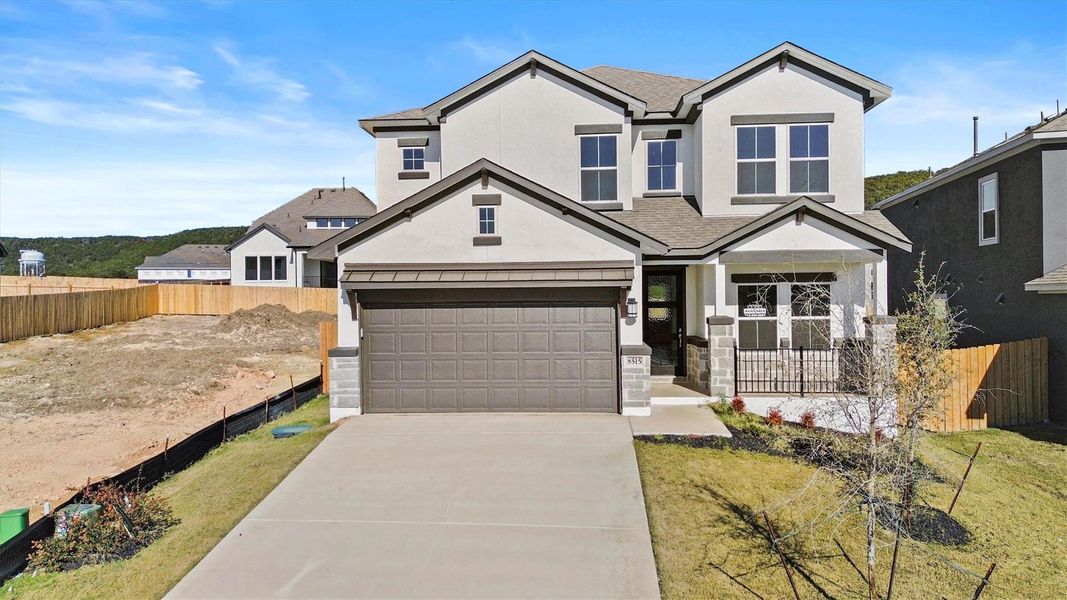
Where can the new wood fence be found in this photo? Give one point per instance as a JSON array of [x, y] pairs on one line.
[[29, 315], [327, 341], [11, 285], [996, 385]]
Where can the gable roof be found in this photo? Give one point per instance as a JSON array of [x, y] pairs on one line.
[[190, 256], [289, 221], [1053, 282], [478, 169], [1052, 129], [660, 92], [678, 223]]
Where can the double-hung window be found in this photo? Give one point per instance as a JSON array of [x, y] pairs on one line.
[[755, 160], [757, 320], [265, 268], [988, 210], [486, 220], [662, 165], [251, 268], [599, 168], [809, 159], [810, 315], [414, 159]]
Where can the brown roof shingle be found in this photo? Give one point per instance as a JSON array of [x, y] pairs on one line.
[[661, 93], [291, 218], [190, 256]]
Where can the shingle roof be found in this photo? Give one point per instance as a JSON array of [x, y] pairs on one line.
[[677, 223], [411, 113], [1057, 123], [660, 92], [1053, 281], [290, 219], [190, 256]]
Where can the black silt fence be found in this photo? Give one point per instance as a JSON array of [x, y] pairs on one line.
[[15, 552]]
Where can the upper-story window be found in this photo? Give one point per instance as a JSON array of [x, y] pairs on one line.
[[334, 222], [599, 167], [487, 220], [662, 165], [809, 159], [988, 210], [755, 160], [414, 159]]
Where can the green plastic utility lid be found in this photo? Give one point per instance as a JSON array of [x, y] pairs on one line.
[[289, 430]]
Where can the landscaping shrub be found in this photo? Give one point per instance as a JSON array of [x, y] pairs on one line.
[[774, 418], [738, 404], [808, 419], [127, 522]]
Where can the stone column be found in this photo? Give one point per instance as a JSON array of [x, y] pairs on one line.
[[637, 380], [721, 356], [696, 362], [345, 388]]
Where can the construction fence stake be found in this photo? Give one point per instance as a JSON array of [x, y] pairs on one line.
[[985, 582], [781, 555], [292, 388], [959, 488], [224, 423]]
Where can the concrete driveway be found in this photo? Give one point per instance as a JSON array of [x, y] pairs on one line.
[[447, 506]]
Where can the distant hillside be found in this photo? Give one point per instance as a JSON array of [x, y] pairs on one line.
[[109, 255], [879, 187]]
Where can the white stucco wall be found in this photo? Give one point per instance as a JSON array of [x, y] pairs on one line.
[[183, 274], [263, 243], [527, 125], [771, 91], [811, 234], [390, 161], [1054, 208], [529, 231]]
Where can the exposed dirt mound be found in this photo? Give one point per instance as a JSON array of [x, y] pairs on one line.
[[272, 317]]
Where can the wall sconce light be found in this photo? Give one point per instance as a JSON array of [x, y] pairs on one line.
[[631, 308]]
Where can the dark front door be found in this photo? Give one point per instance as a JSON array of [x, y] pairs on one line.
[[665, 319]]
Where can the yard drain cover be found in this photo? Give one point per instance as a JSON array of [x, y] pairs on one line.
[[289, 430]]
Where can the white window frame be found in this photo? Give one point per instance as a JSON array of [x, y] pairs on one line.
[[273, 267], [490, 220], [582, 169], [648, 165], [404, 159], [774, 160], [982, 240], [789, 156]]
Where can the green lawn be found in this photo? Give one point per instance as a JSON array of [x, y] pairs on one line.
[[209, 497], [707, 544]]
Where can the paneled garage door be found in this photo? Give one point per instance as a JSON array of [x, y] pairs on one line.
[[529, 358]]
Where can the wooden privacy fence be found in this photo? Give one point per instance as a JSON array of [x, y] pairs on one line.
[[29, 315], [11, 285], [995, 385], [327, 340]]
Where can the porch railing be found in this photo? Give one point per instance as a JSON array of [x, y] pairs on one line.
[[798, 371]]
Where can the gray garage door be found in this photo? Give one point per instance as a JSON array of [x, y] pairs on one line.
[[531, 358]]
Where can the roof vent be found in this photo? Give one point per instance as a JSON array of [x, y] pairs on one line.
[[975, 134]]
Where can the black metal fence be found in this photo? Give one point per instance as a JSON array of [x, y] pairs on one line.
[[14, 553], [788, 371]]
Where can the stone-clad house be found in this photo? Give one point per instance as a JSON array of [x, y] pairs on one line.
[[552, 239]]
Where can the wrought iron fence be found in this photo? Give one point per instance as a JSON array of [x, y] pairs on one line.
[[789, 371]]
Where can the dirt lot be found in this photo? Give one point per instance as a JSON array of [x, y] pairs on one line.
[[92, 403]]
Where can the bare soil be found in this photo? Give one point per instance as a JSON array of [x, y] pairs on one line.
[[92, 403]]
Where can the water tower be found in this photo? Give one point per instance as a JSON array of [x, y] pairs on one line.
[[31, 263]]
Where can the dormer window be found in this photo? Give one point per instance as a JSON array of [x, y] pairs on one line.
[[809, 159], [414, 159], [599, 168], [755, 160], [333, 222], [662, 165]]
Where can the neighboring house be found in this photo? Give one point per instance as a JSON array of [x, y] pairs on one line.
[[550, 239], [998, 222], [274, 249], [3, 255], [191, 263]]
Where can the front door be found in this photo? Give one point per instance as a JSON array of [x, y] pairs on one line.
[[665, 319]]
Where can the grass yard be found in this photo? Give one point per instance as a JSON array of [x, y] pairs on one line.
[[707, 543], [209, 497]]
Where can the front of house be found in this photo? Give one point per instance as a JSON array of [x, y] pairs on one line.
[[549, 239]]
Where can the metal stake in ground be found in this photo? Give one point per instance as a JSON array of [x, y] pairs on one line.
[[781, 555], [292, 388], [224, 423], [959, 488], [985, 582]]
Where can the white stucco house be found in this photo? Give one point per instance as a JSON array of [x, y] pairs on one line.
[[553, 239], [191, 263], [273, 252]]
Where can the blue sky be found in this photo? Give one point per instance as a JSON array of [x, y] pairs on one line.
[[152, 117]]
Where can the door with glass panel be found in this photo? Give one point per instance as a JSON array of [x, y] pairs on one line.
[[664, 326]]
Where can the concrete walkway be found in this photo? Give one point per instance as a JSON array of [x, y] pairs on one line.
[[446, 506], [679, 420]]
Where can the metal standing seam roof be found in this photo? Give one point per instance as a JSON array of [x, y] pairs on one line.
[[190, 256], [556, 274]]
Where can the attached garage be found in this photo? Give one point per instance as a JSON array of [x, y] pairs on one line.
[[491, 357]]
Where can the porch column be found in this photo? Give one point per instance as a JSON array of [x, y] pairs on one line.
[[720, 288], [636, 380], [345, 389], [721, 356]]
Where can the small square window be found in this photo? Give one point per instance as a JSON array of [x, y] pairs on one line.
[[350, 222], [487, 220], [335, 222], [414, 159], [322, 222]]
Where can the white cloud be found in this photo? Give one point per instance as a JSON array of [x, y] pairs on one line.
[[258, 72], [495, 52], [105, 12], [142, 69]]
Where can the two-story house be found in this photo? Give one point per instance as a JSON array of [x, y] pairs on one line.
[[273, 251], [997, 222], [551, 239]]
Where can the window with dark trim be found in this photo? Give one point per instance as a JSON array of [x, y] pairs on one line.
[[662, 165], [809, 159], [599, 168], [755, 160], [266, 268], [279, 268], [251, 268], [487, 220], [810, 315], [757, 317], [988, 210], [414, 159]]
